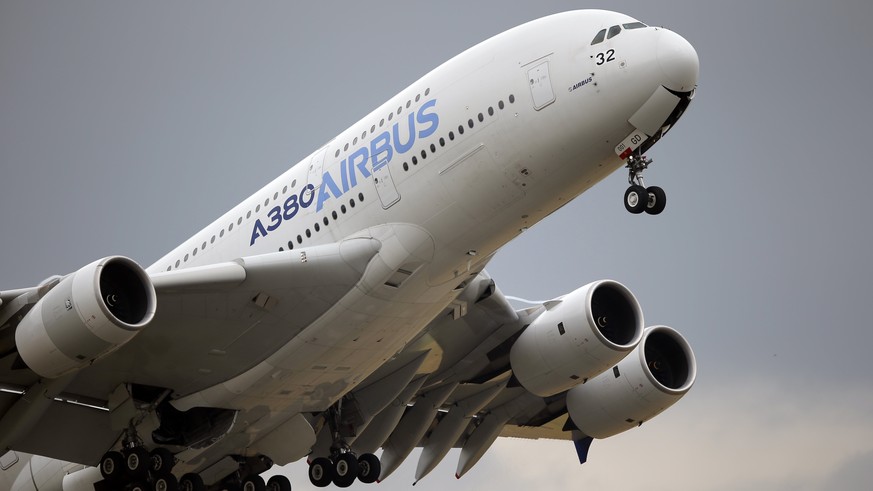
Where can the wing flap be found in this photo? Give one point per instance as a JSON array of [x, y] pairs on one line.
[[67, 431]]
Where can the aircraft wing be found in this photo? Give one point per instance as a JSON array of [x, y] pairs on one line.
[[469, 399], [460, 384], [213, 323], [475, 396]]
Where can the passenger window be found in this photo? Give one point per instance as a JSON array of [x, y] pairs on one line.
[[613, 31], [599, 37]]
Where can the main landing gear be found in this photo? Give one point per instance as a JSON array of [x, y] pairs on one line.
[[136, 469], [343, 466], [639, 198]]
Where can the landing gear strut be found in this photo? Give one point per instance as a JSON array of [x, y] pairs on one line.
[[343, 466], [639, 198]]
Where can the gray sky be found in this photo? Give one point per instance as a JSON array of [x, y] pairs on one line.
[[126, 127]]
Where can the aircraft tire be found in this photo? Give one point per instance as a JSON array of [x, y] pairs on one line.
[[138, 486], [162, 461], [166, 482], [137, 462], [657, 200], [254, 483], [278, 483], [369, 468], [192, 482], [112, 466], [321, 472], [635, 199], [345, 470]]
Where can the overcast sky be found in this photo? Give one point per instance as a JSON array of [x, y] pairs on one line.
[[126, 127]]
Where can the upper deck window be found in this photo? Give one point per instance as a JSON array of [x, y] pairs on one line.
[[613, 31], [634, 25], [599, 37]]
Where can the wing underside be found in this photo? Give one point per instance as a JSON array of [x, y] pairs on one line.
[[454, 386]]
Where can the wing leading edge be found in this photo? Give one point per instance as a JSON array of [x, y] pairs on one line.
[[195, 341]]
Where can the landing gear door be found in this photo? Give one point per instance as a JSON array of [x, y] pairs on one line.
[[540, 85]]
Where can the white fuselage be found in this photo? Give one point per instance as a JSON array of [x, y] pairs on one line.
[[534, 162], [469, 156], [440, 176]]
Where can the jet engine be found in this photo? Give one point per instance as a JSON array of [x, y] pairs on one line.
[[656, 375], [86, 316], [577, 337]]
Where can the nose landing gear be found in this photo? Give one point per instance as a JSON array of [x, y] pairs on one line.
[[639, 198]]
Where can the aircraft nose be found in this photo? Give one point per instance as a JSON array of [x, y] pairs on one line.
[[678, 61]]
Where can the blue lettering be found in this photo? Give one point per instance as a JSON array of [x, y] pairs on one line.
[[308, 191], [381, 145], [344, 175], [422, 117], [327, 184], [275, 215], [421, 124], [404, 147], [364, 154], [257, 231], [291, 207]]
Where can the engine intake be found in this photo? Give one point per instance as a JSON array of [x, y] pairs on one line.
[[656, 375], [577, 337], [86, 316]]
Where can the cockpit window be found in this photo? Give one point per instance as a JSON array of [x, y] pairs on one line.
[[613, 31], [599, 37], [634, 25]]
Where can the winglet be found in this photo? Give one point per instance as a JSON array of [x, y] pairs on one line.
[[582, 447]]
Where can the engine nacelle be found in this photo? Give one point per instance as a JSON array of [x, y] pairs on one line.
[[578, 336], [656, 375], [86, 316]]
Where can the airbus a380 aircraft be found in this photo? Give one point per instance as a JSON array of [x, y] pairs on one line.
[[343, 308]]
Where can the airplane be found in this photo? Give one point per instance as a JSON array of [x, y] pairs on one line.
[[345, 308]]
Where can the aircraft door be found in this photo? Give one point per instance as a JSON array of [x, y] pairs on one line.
[[385, 187], [314, 174], [540, 85]]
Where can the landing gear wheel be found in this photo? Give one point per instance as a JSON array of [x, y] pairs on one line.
[[162, 461], [369, 468], [254, 483], [166, 482], [112, 466], [137, 462], [138, 486], [657, 200], [278, 483], [321, 472], [635, 199], [345, 470], [191, 482]]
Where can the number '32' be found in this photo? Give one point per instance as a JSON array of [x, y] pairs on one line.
[[605, 57]]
